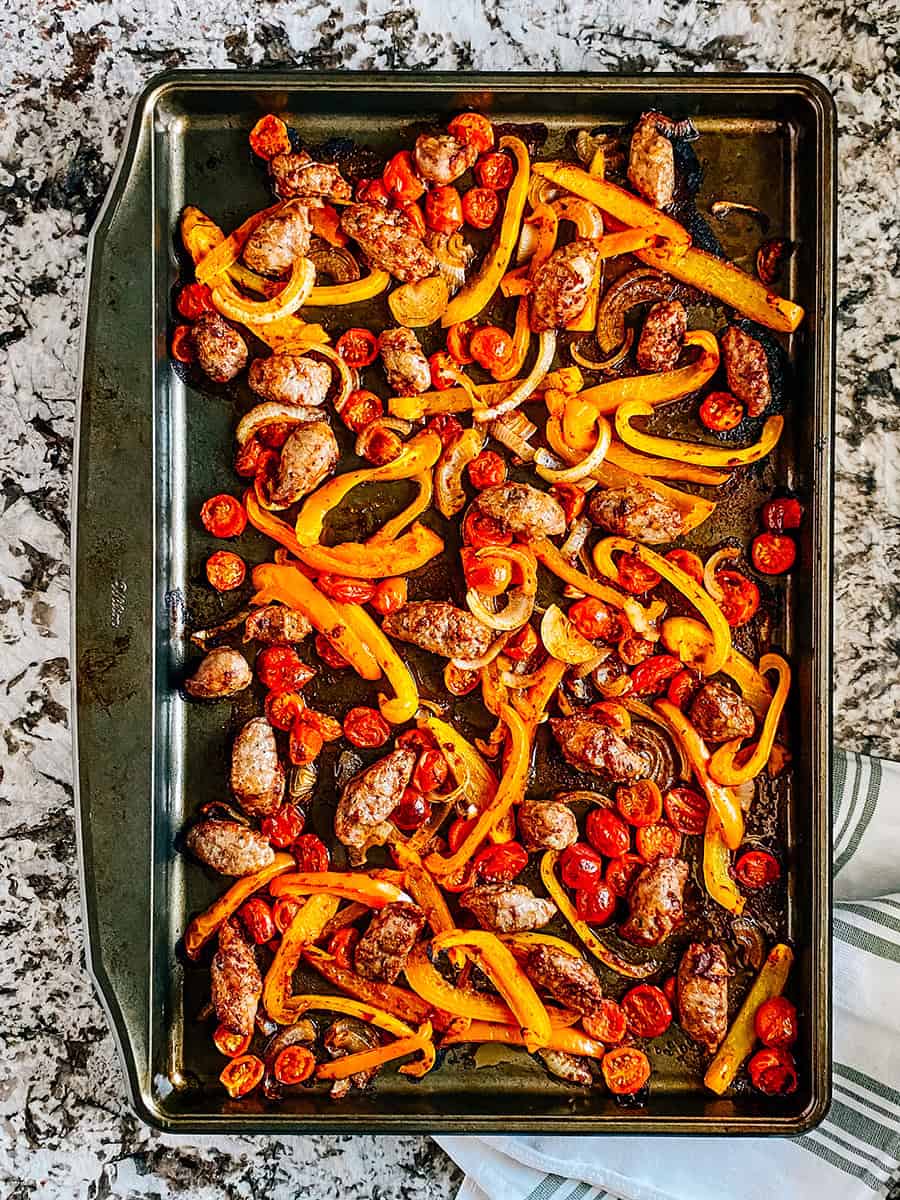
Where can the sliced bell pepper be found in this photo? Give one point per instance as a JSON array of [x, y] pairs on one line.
[[303, 930], [199, 233], [741, 1037], [326, 295], [532, 706], [392, 529], [399, 1002], [471, 771], [478, 292], [367, 1060], [423, 889], [203, 926], [709, 456], [601, 952], [326, 224], [717, 877], [546, 221], [230, 303], [691, 640], [451, 400], [663, 386], [569, 1041], [214, 264], [647, 464], [626, 241], [403, 704], [722, 766], [640, 617], [348, 885], [521, 342]]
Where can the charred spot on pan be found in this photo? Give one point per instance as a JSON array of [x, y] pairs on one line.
[[532, 133]]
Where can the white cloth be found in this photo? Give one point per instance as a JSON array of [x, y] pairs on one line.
[[855, 1153]]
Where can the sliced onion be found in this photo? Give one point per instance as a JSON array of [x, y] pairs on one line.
[[520, 682], [528, 241], [516, 613], [587, 668], [646, 713], [583, 796], [726, 554], [302, 782], [588, 465], [542, 191], [655, 744], [615, 688], [334, 261], [542, 364], [204, 638], [347, 377], [645, 621], [454, 256], [750, 938], [514, 431], [448, 489], [607, 364], [562, 640], [475, 664], [745, 793], [271, 413], [397, 424], [577, 536]]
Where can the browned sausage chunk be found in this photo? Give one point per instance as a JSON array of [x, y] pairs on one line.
[[383, 949], [570, 1067], [290, 379], [404, 361], [257, 777], [651, 162], [299, 175], [229, 847], [703, 994], [567, 977], [276, 624], [662, 336], [389, 241], [308, 456], [507, 907], [523, 509], [656, 900], [440, 158], [747, 369], [589, 745], [222, 672], [281, 238], [561, 285], [546, 825], [439, 627], [720, 714], [370, 796], [220, 349], [636, 512], [235, 981]]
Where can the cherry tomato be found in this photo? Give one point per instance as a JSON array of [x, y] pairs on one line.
[[194, 300], [635, 576], [225, 571], [740, 601], [446, 426], [490, 576], [686, 810], [570, 498], [400, 178], [649, 677], [269, 136], [491, 347], [773, 1071], [458, 342], [280, 668], [459, 681], [390, 594], [331, 657], [382, 447], [305, 743], [284, 910], [256, 917], [346, 589], [687, 561], [373, 191], [783, 513], [441, 378], [501, 863], [183, 344], [329, 729], [366, 728], [612, 714], [625, 1070], [657, 841], [595, 904], [284, 826], [480, 207], [459, 831], [231, 1044], [640, 803], [293, 1065], [413, 810], [580, 866], [415, 739], [360, 408], [487, 470], [416, 218], [242, 1075], [478, 529], [431, 771], [341, 945], [620, 872], [720, 411], [670, 990], [522, 645], [647, 1011], [595, 620], [494, 171], [247, 459], [776, 1022], [311, 853], [773, 553], [757, 868], [357, 347], [223, 516], [607, 832], [634, 649], [682, 687], [607, 1023], [473, 129], [443, 209]]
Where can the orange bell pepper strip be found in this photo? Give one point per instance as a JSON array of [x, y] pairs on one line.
[[626, 241], [570, 1041], [741, 1037], [303, 930], [399, 1002], [692, 642], [520, 943], [663, 386], [291, 587], [723, 767], [478, 292], [348, 885], [203, 926], [423, 889], [451, 400], [722, 800], [402, 706], [508, 978], [547, 224], [326, 224], [291, 335], [717, 878], [532, 706], [521, 341], [303, 1003], [697, 452], [392, 529], [357, 290], [727, 282], [517, 282], [600, 951], [199, 233], [216, 262], [694, 509], [367, 1060], [621, 455]]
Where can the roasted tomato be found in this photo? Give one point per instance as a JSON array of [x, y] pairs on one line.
[[346, 589], [490, 576], [360, 408], [595, 904], [776, 1022], [294, 1065], [607, 1023], [443, 209], [269, 136], [721, 411], [491, 347], [459, 831], [284, 826], [650, 677], [480, 207], [607, 832], [501, 863], [571, 498], [442, 377], [284, 910], [595, 620], [783, 513], [242, 1075], [670, 988], [458, 342], [613, 714], [487, 470], [280, 668], [640, 803], [223, 516], [366, 728], [459, 681], [473, 129], [522, 645], [446, 426], [373, 191], [686, 810], [580, 866], [183, 344], [311, 853], [416, 218], [256, 917], [682, 687], [382, 446], [389, 595], [342, 943], [773, 553], [657, 841], [740, 602], [431, 771], [331, 657], [757, 868], [413, 810], [225, 571], [773, 1071], [635, 576], [400, 178], [494, 171], [415, 739], [194, 300], [634, 649], [478, 529], [357, 347], [687, 561], [305, 743], [625, 1070], [620, 872], [647, 1011], [233, 1045]]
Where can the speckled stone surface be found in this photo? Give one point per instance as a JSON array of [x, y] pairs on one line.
[[67, 74]]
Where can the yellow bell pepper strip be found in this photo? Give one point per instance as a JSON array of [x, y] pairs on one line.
[[391, 529], [199, 233], [717, 877], [330, 294], [694, 509], [663, 386], [741, 1037], [451, 400], [727, 282], [689, 588], [478, 292], [723, 767], [623, 205], [203, 926], [508, 978], [291, 335], [710, 456], [722, 800], [230, 303], [621, 455], [600, 951], [291, 587], [548, 554], [216, 262], [521, 342], [399, 1002], [423, 889], [470, 771], [303, 930], [570, 1041], [368, 1060], [692, 641], [419, 453], [348, 885], [511, 790], [402, 706]]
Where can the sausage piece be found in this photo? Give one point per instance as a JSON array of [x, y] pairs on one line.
[[279, 239], [290, 379], [661, 338], [440, 158], [523, 509], [235, 981], [298, 175], [561, 285], [222, 672], [703, 994], [257, 776], [370, 796], [404, 361], [308, 456], [747, 369], [651, 162], [636, 512], [275, 625], [229, 847], [589, 745], [383, 949], [656, 902], [721, 714], [220, 349], [567, 977], [546, 825], [389, 241], [507, 907], [570, 1067], [439, 627]]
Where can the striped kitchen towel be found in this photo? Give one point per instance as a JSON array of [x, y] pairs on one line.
[[855, 1153]]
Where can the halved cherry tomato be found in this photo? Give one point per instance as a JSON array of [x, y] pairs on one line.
[[607, 1023], [372, 191], [473, 129], [757, 869], [721, 411], [443, 209], [225, 571], [331, 657], [595, 904], [478, 529], [346, 589], [740, 601], [233, 1045], [283, 827], [458, 342], [501, 863], [612, 714], [490, 576], [305, 743], [357, 347], [415, 739], [413, 810], [686, 810], [773, 1071], [193, 300], [522, 645], [390, 594], [342, 943], [640, 803], [223, 516], [634, 649], [400, 178], [682, 687], [431, 771], [416, 218], [580, 866], [625, 1070], [491, 347], [480, 207], [494, 171], [649, 678], [635, 576], [183, 344], [382, 446], [570, 497], [256, 917], [360, 408], [246, 461], [780, 514], [687, 561], [269, 136], [329, 729], [242, 1075], [620, 872], [607, 832], [284, 910], [487, 470], [647, 1010], [311, 853], [657, 841], [773, 553], [776, 1022], [280, 668], [459, 681], [294, 1065], [670, 989], [441, 377], [595, 620], [446, 426], [366, 728]]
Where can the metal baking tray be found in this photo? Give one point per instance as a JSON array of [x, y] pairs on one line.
[[151, 447]]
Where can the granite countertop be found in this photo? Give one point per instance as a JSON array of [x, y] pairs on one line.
[[67, 74]]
